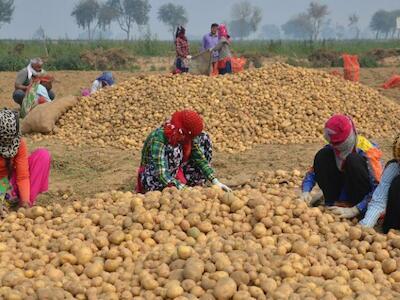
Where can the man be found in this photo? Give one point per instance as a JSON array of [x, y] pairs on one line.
[[210, 40], [24, 80]]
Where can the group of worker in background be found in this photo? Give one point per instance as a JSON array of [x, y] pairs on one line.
[[217, 41]]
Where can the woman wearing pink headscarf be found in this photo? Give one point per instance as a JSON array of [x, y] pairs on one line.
[[347, 170], [224, 52]]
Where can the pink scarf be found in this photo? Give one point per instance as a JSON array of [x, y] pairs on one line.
[[340, 132]]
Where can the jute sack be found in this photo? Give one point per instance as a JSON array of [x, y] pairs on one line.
[[43, 118]]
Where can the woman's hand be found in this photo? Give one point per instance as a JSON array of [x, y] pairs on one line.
[[345, 212]]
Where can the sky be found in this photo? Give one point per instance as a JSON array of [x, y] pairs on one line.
[[55, 15]]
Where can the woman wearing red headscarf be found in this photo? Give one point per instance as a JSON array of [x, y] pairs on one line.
[[224, 51], [347, 170], [177, 154]]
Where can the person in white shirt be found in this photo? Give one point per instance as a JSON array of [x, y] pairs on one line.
[[105, 79], [386, 198]]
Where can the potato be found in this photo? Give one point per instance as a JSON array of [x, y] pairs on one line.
[[193, 269], [355, 233], [93, 270], [389, 265], [117, 237], [84, 255], [174, 289], [184, 252], [189, 244], [225, 288]]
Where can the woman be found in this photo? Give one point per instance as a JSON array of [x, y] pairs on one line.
[[347, 170], [22, 177], [386, 196], [224, 52], [37, 93], [104, 80], [177, 154], [182, 51]]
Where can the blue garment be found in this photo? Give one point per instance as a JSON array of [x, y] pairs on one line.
[[106, 77], [377, 206], [309, 182], [210, 41], [42, 91], [180, 65]]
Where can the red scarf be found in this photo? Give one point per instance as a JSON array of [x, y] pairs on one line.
[[175, 136]]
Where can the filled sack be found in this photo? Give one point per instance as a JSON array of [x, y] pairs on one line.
[[43, 118]]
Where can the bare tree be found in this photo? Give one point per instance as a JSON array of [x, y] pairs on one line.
[[246, 19], [317, 13], [353, 23], [299, 27], [172, 15], [85, 13]]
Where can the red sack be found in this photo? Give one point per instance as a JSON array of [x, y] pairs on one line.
[[351, 67], [393, 82], [238, 64]]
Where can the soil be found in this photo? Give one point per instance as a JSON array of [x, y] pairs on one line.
[[82, 172]]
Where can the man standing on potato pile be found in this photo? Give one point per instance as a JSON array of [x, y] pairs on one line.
[[25, 78], [385, 200], [347, 170], [210, 40], [177, 154]]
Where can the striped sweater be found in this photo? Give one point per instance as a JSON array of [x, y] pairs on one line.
[[377, 205]]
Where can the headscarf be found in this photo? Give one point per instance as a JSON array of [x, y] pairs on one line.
[[222, 31], [180, 30], [183, 127], [31, 71], [107, 78], [340, 132], [10, 136], [396, 148], [45, 78]]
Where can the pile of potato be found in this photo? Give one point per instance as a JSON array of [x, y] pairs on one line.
[[276, 104], [197, 243]]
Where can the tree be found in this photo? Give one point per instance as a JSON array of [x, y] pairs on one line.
[[172, 15], [381, 22], [353, 23], [6, 11], [299, 27], [85, 13], [130, 12], [393, 21], [317, 13], [239, 29], [106, 15], [246, 19], [270, 32]]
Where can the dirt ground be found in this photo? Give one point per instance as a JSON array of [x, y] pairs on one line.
[[82, 172]]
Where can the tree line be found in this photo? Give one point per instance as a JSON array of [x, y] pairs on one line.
[[245, 19], [92, 15]]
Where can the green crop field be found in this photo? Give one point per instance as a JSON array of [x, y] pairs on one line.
[[72, 55]]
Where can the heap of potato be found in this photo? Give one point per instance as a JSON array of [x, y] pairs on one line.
[[276, 104], [195, 244]]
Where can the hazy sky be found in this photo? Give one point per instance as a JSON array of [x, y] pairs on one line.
[[55, 15]]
